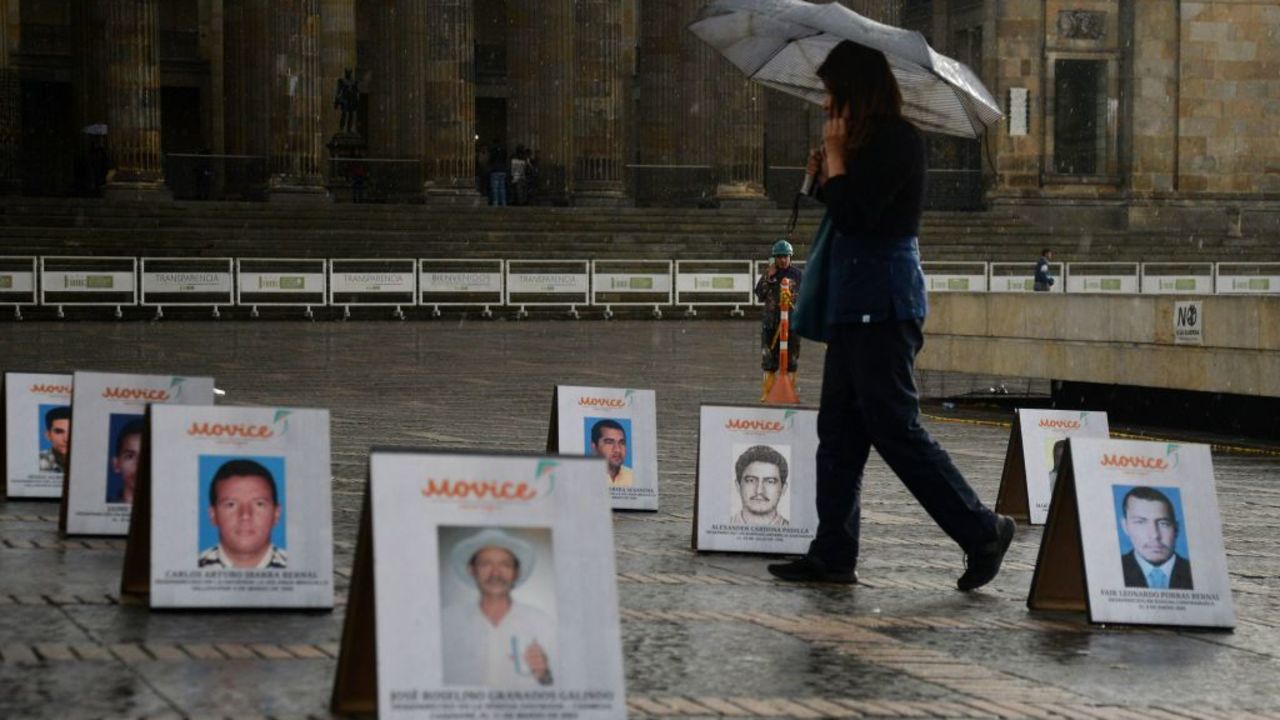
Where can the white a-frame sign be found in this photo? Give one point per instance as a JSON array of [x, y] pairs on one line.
[[1134, 537]]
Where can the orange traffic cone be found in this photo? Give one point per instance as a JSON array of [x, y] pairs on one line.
[[783, 390]]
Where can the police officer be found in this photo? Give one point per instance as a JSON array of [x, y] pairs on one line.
[[769, 291]]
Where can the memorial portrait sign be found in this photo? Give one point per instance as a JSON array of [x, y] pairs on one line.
[[237, 509], [37, 433], [1033, 458], [487, 583], [1134, 536], [107, 414], [757, 479], [618, 425]]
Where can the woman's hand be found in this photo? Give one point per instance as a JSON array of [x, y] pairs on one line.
[[834, 136], [814, 165]]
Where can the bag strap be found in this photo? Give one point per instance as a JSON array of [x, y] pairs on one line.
[[795, 217]]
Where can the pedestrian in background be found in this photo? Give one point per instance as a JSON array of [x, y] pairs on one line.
[[1043, 281]]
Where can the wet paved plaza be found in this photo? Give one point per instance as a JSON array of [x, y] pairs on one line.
[[703, 635]]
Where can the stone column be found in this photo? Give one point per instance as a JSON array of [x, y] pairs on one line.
[[378, 21], [599, 102], [540, 109], [413, 21], [248, 78], [661, 89], [698, 114], [449, 94], [133, 97], [10, 113], [295, 108], [739, 162]]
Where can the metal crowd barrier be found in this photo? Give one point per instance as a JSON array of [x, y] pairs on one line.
[[461, 283], [298, 282], [955, 276], [548, 283], [713, 283], [187, 282], [89, 281], [373, 283], [1099, 277], [631, 283], [18, 283], [400, 283]]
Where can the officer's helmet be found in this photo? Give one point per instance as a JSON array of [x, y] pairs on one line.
[[782, 247]]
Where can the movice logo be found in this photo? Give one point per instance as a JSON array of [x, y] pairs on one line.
[[601, 402], [487, 490], [1060, 424], [149, 395], [243, 431], [1144, 463], [41, 389], [146, 394], [751, 425]]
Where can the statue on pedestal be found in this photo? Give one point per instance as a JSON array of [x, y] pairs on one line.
[[347, 99]]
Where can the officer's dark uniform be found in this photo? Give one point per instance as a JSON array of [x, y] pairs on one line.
[[769, 291]]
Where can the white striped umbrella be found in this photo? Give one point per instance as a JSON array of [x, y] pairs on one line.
[[781, 43]]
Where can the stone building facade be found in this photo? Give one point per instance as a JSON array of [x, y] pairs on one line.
[[1124, 111]]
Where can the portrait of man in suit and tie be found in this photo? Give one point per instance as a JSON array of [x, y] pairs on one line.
[[1149, 522]]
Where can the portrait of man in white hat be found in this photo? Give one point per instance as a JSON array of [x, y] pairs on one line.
[[490, 638]]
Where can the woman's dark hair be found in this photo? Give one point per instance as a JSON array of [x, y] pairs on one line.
[[859, 80]]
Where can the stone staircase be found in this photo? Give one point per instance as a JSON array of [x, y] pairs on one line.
[[54, 226]]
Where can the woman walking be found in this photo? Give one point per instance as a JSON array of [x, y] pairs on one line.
[[873, 161]]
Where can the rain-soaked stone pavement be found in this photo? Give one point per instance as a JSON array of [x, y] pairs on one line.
[[703, 635]]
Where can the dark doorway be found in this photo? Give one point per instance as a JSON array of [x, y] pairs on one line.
[[52, 150], [491, 120], [180, 129]]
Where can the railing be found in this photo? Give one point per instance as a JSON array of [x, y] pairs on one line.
[[55, 282]]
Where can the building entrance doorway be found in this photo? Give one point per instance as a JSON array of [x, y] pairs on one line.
[[491, 121], [54, 154]]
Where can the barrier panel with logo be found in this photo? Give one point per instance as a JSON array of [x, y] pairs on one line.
[[757, 479], [1134, 536], [460, 283], [199, 282], [620, 427], [1034, 456], [710, 283], [631, 282], [373, 283], [548, 283], [1020, 277], [35, 429], [955, 276], [1247, 278], [18, 282], [107, 419], [89, 281], [533, 536], [281, 282], [233, 509], [1159, 278], [1097, 277]]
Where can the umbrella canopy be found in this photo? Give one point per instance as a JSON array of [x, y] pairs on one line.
[[781, 43]]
